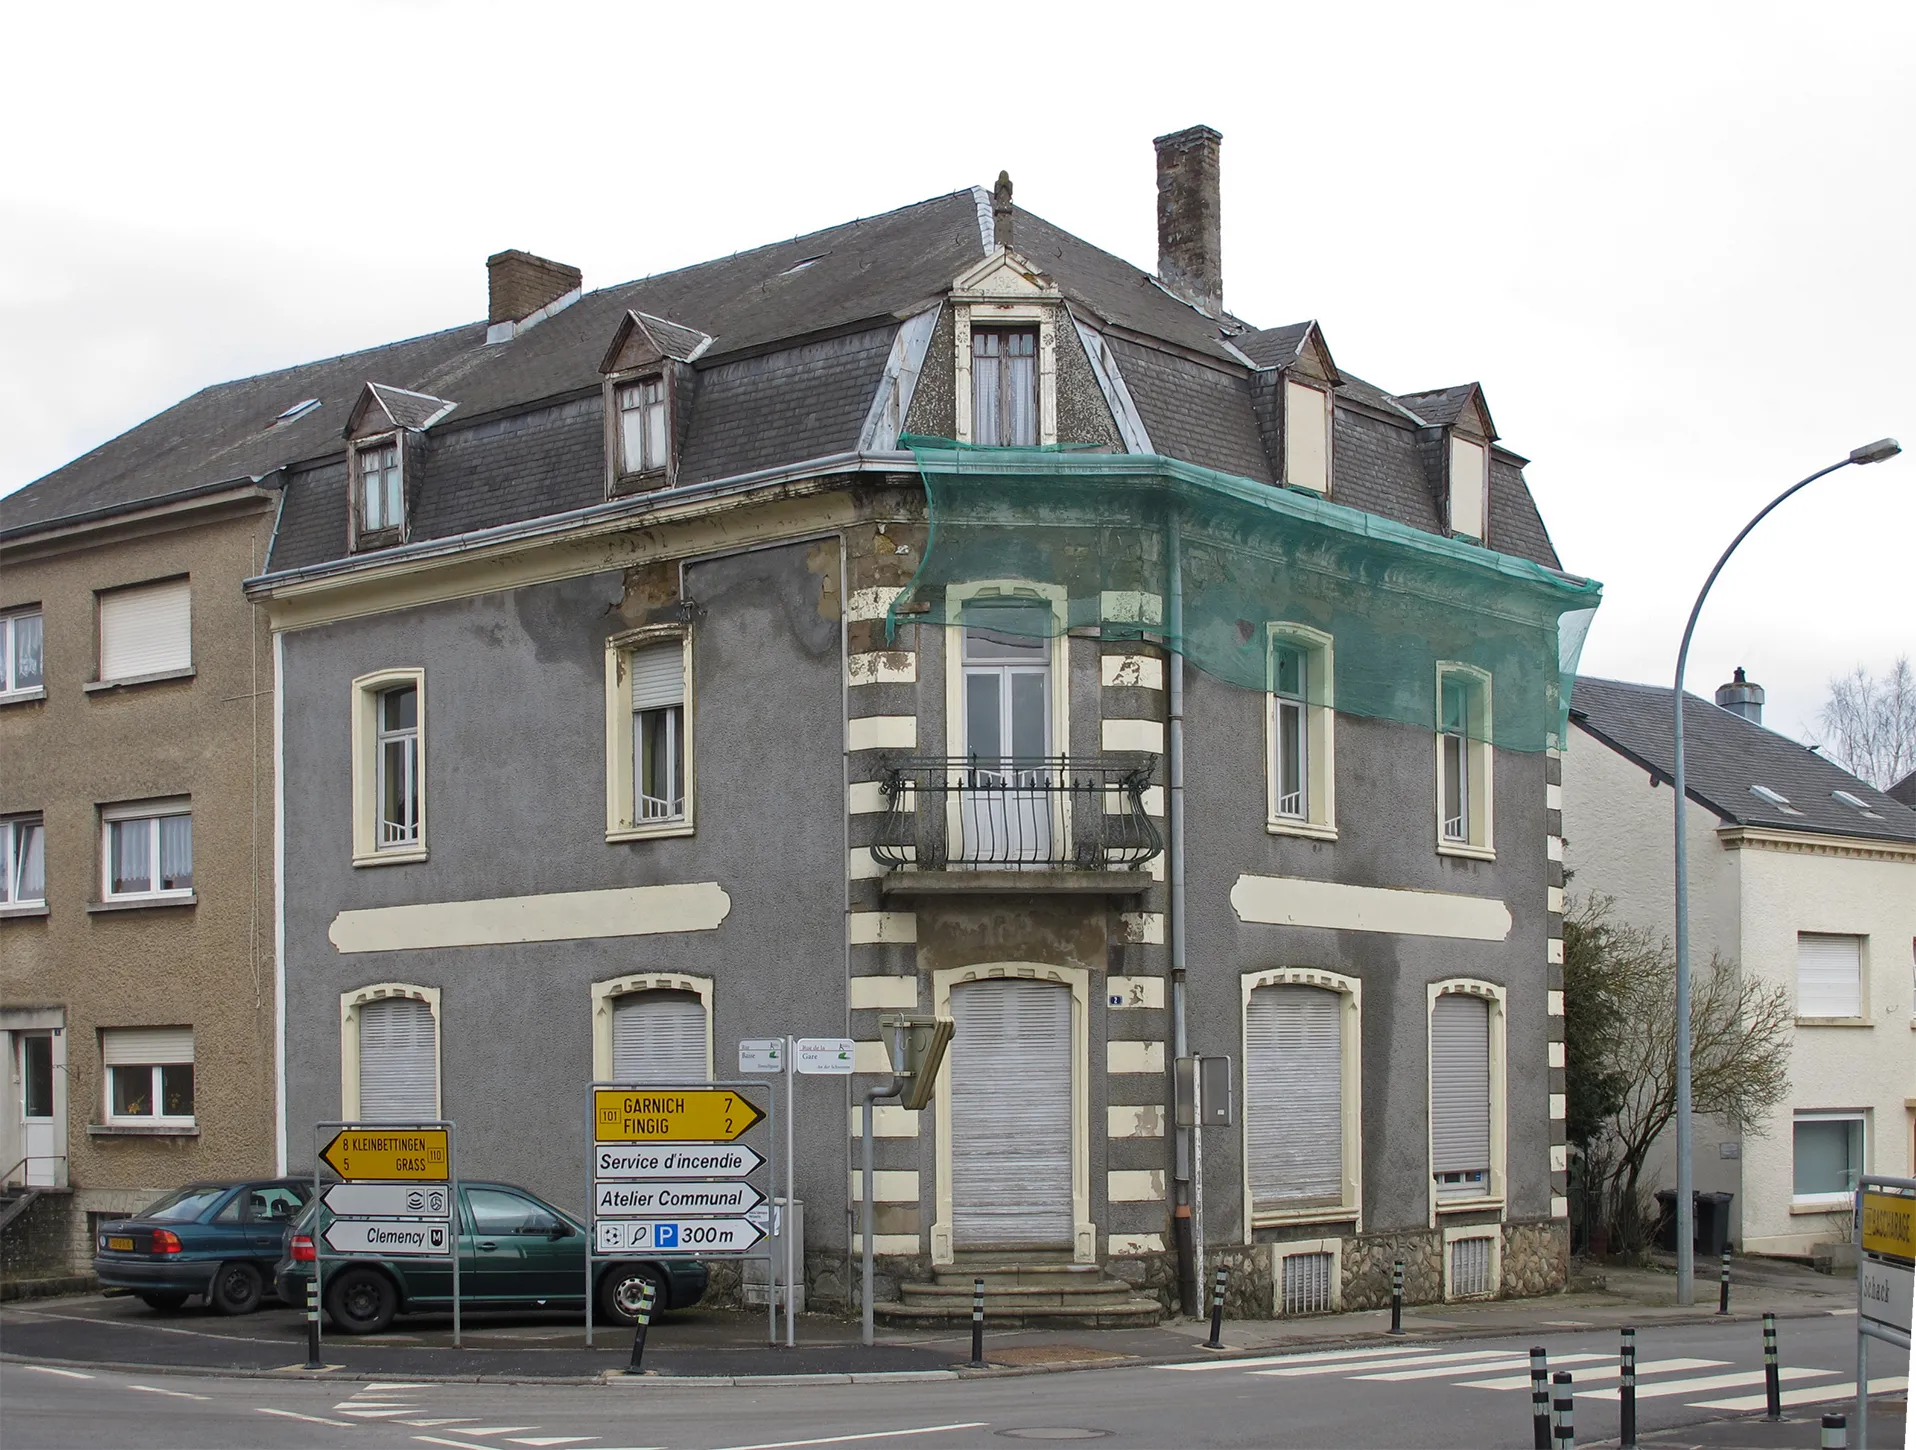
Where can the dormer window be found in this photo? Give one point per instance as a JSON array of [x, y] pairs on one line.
[[1307, 437], [1469, 487], [1004, 387], [379, 490], [644, 438]]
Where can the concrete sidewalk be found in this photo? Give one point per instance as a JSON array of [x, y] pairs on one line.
[[706, 1346]]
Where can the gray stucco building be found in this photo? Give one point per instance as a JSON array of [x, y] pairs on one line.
[[636, 695]]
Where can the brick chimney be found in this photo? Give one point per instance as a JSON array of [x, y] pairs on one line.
[[1190, 252], [1740, 697], [519, 284]]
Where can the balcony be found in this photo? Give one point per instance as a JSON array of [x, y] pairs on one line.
[[1049, 823]]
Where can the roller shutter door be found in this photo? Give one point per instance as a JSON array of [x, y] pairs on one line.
[[658, 676], [1294, 1090], [398, 1060], [146, 1046], [659, 1037], [146, 631], [1011, 1115], [1460, 1084]]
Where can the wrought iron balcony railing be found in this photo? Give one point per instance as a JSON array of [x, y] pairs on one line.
[[1040, 814]]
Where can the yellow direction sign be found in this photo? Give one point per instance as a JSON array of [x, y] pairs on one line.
[[1889, 1225], [412, 1155], [671, 1115]]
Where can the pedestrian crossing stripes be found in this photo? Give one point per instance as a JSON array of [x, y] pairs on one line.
[[1597, 1375]]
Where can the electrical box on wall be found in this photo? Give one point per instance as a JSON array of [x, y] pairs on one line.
[[1204, 1092]]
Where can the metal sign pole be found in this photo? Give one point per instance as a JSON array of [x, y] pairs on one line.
[[452, 1201], [591, 1207], [789, 1223], [319, 1242]]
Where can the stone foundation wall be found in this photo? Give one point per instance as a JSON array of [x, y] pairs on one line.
[[38, 1243]]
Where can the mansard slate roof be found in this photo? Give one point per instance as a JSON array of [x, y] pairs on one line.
[[800, 332], [1724, 755]]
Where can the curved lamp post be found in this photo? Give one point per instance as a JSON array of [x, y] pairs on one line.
[[1686, 1210]]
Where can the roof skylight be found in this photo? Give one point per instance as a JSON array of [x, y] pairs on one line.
[[298, 410], [1856, 801], [1775, 798], [800, 266]]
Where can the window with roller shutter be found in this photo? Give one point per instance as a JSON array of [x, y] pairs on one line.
[[660, 1036], [145, 630], [1460, 1096], [398, 1060], [1294, 1099], [1011, 1115], [1829, 975]]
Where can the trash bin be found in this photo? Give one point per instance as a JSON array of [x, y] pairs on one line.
[[1666, 1220], [1712, 1224]]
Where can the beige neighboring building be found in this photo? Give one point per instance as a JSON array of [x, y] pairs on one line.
[[1803, 875], [136, 820]]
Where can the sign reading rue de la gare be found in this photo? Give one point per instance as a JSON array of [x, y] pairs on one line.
[[671, 1115]]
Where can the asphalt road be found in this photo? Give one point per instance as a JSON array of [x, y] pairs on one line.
[[1462, 1393]]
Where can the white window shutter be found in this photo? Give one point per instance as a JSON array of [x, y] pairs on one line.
[[1294, 1096], [1306, 430], [146, 1046], [658, 676], [1829, 975], [1011, 1114], [1460, 1084], [398, 1060], [659, 1037], [146, 631], [1467, 488]]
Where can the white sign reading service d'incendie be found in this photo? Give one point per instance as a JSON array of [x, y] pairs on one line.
[[644, 1200], [674, 1160]]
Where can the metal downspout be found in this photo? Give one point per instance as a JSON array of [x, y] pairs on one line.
[[1189, 1232]]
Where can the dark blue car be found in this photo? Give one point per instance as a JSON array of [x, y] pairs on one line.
[[219, 1240]]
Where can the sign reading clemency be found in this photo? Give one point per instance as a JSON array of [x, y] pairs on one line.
[[389, 1238]]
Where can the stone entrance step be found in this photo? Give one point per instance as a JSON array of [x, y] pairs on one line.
[[1022, 1290]]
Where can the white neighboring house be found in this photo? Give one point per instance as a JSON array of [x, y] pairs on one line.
[[1804, 875]]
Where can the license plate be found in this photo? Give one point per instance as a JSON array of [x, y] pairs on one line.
[[126, 1244]]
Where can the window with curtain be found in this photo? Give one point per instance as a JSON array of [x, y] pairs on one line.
[[659, 1036], [20, 641], [1463, 761], [658, 732], [397, 746], [1460, 1104], [398, 1059], [1456, 759], [149, 1073], [644, 437], [1290, 678], [1004, 387], [1005, 812], [1294, 1097], [149, 852], [25, 877], [382, 499]]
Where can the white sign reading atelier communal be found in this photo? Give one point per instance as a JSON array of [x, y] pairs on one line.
[[393, 1238], [675, 1160], [618, 1199]]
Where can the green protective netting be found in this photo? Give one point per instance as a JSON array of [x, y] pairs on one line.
[[1062, 538]]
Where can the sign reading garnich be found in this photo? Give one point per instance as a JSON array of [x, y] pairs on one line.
[[670, 1115], [410, 1155], [402, 1238], [689, 1236]]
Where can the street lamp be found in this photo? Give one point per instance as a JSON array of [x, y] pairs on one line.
[[1875, 452]]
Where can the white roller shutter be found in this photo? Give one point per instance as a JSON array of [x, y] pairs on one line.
[[659, 1037], [1011, 1114], [398, 1060], [1294, 1096], [146, 631], [146, 1046], [658, 676], [1306, 429], [1460, 1084], [1829, 975]]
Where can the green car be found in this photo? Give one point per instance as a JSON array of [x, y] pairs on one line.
[[516, 1251]]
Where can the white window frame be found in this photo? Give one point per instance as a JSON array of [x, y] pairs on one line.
[[1004, 391], [1479, 840], [1292, 420], [153, 812], [1319, 817], [621, 800], [1862, 1012], [361, 448], [10, 688], [985, 313], [646, 465], [11, 829], [367, 690], [1497, 1194], [1827, 1202], [156, 1118], [349, 1005], [101, 603], [605, 1002], [1351, 1023], [1481, 487]]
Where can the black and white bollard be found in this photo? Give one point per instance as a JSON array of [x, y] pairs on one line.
[[1835, 1432], [644, 1321], [977, 1323], [1772, 1383], [1563, 1410], [312, 1324], [1217, 1310], [1397, 1298], [1627, 1392], [1723, 1287], [1539, 1399]]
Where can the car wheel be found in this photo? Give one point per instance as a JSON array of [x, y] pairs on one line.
[[166, 1303], [236, 1289], [623, 1288], [361, 1301]]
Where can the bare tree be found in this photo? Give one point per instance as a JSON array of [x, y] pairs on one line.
[[1870, 724]]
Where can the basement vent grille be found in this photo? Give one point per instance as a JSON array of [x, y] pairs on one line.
[[1469, 1268], [1307, 1283]]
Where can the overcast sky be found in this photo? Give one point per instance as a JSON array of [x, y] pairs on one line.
[[1674, 242]]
